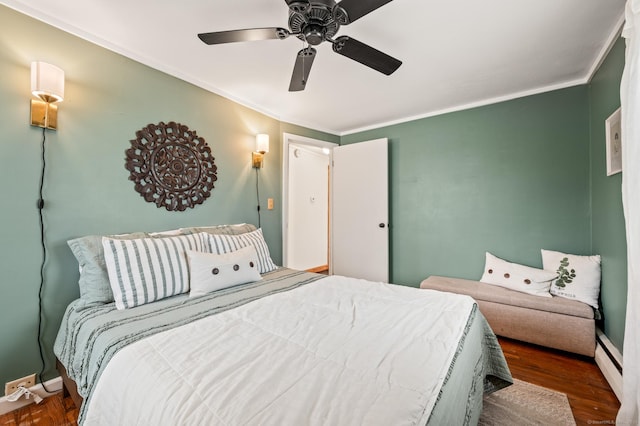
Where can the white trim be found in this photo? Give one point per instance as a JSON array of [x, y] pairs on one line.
[[611, 41], [607, 365], [288, 138], [615, 353], [464, 107], [602, 55], [54, 385], [609, 371]]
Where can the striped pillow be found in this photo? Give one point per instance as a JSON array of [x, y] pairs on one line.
[[221, 244], [147, 269], [236, 229]]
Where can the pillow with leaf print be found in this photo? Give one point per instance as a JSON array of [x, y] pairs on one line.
[[578, 276]]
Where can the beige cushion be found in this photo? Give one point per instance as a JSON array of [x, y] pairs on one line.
[[564, 332], [481, 291]]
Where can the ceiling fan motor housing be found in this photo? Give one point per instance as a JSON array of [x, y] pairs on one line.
[[313, 21]]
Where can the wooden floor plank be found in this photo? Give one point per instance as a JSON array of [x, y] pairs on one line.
[[592, 400], [590, 396], [53, 411]]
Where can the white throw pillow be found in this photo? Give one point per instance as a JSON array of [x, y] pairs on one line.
[[211, 272], [220, 244], [578, 276], [517, 277], [147, 269]]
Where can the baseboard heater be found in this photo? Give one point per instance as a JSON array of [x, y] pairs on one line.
[[609, 360]]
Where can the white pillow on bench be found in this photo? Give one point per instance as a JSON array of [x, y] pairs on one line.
[[517, 277], [578, 277]]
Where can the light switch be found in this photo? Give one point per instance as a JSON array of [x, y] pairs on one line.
[[269, 203]]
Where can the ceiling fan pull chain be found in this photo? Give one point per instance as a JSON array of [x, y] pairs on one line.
[[305, 46]]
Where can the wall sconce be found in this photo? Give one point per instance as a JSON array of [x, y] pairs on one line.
[[262, 147], [47, 83]]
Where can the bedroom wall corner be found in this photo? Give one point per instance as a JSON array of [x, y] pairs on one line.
[[608, 225]]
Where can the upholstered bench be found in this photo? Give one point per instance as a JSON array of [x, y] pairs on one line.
[[555, 322]]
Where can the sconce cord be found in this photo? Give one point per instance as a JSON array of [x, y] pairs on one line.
[[258, 194], [40, 205]]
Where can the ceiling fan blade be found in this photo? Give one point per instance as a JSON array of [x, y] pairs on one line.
[[251, 34], [348, 11], [301, 69], [366, 55]]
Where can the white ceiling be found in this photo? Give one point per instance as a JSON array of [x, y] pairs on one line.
[[455, 54]]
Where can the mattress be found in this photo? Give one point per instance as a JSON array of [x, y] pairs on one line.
[[295, 348]]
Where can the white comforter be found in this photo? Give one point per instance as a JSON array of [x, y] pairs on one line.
[[338, 351]]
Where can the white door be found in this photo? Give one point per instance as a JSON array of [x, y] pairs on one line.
[[360, 211]]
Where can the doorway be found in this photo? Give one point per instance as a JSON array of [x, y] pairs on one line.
[[306, 183]]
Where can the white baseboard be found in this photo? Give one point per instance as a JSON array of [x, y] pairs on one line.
[[54, 385], [607, 356]]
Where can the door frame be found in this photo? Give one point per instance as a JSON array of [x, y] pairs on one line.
[[287, 139]]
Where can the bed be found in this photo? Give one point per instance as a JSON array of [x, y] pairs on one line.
[[292, 348]]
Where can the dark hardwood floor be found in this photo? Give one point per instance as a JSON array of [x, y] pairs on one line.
[[590, 396], [53, 411], [592, 400]]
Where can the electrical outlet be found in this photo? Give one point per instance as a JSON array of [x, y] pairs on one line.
[[27, 382], [269, 203]]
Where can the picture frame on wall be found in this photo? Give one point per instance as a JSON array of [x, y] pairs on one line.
[[613, 127]]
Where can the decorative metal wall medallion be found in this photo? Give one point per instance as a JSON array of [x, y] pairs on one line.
[[171, 166]]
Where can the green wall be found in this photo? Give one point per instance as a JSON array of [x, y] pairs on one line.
[[508, 178], [87, 191], [608, 227]]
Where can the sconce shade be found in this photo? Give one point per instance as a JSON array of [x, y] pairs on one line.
[[262, 143], [47, 82], [262, 147]]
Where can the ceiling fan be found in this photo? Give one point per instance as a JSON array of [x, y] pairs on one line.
[[314, 22]]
